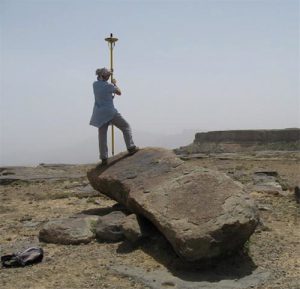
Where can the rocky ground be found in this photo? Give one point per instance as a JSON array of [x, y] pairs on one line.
[[32, 196]]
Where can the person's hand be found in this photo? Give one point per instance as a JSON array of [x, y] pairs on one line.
[[114, 81]]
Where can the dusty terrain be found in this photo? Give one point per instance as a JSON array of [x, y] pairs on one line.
[[270, 260]]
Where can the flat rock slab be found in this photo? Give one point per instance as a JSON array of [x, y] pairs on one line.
[[72, 231], [162, 279], [202, 213], [42, 172]]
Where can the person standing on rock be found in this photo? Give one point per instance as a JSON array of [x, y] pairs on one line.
[[104, 113]]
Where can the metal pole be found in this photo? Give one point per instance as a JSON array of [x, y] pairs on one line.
[[111, 78], [111, 40]]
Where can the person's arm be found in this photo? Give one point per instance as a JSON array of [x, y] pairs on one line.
[[117, 89]]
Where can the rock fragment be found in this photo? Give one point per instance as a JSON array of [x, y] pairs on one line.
[[135, 228], [71, 231], [109, 227]]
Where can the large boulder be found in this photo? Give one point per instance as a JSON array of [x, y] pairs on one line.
[[203, 213]]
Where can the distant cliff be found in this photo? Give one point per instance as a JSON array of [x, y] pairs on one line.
[[244, 140]]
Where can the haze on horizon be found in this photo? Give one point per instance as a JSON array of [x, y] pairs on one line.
[[182, 66]]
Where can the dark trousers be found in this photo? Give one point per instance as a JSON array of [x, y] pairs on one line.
[[119, 122]]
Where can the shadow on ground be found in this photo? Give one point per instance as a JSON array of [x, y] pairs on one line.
[[105, 211], [232, 267]]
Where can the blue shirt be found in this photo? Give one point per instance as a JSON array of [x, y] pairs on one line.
[[104, 109]]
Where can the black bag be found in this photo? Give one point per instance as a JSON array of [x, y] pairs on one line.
[[20, 259]]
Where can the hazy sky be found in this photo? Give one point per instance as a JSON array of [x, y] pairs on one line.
[[182, 65]]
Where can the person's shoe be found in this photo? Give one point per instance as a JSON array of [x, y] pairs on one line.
[[133, 150], [102, 164]]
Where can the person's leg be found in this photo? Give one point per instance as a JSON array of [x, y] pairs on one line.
[[124, 126], [102, 136]]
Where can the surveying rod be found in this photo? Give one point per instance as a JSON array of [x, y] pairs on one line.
[[111, 43]]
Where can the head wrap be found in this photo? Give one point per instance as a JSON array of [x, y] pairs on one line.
[[103, 72]]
